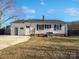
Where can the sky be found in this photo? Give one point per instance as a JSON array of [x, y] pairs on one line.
[[66, 10]]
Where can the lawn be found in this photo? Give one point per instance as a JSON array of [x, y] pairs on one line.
[[43, 48]]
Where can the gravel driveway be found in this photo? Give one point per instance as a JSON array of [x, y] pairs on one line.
[[6, 41]]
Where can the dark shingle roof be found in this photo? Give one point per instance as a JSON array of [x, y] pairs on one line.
[[39, 21]]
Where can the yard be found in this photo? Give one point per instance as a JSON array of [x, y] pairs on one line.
[[44, 48]]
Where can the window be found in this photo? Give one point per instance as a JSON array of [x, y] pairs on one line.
[[21, 28], [57, 27], [27, 26], [60, 26], [47, 26], [43, 26], [40, 27]]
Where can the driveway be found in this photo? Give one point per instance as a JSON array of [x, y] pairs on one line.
[[6, 41]]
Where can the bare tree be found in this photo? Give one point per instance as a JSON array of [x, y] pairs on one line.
[[7, 10]]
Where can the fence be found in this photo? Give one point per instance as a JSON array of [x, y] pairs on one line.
[[73, 32]]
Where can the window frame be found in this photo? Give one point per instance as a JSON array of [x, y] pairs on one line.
[[47, 26], [57, 27], [40, 27], [43, 26], [27, 26], [21, 28]]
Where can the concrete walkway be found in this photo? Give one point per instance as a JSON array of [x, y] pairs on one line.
[[6, 41]]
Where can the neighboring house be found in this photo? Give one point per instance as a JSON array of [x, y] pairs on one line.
[[7, 30], [2, 31], [38, 26]]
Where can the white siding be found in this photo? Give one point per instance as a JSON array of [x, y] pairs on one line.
[[33, 26], [62, 31], [18, 25]]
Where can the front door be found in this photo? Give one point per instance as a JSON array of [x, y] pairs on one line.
[[16, 31], [27, 30]]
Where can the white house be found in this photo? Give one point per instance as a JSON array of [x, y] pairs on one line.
[[38, 26]]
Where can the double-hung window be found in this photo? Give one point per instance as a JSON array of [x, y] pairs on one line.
[[43, 26], [47, 26], [21, 28], [57, 27], [40, 27]]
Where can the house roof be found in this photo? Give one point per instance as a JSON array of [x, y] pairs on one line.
[[39, 21]]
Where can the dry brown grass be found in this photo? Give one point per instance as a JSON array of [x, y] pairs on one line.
[[42, 48]]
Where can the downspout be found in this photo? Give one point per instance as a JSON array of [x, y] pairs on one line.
[[66, 30]]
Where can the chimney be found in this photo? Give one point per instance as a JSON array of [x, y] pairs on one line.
[[42, 18]]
